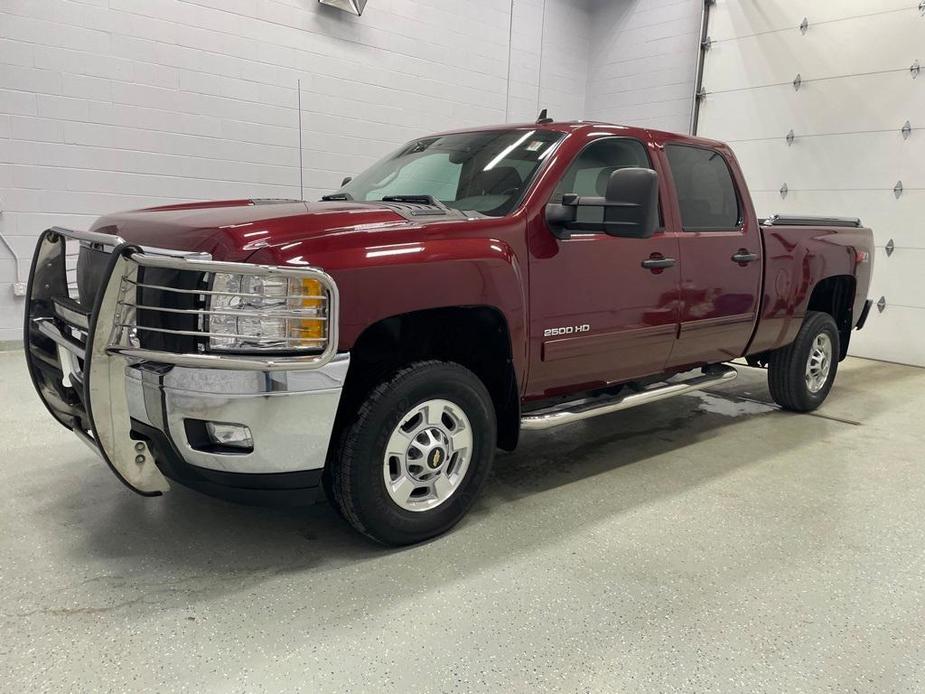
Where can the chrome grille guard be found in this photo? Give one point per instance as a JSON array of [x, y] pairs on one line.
[[77, 354]]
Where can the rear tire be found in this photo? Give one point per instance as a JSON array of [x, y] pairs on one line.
[[412, 463], [801, 374]]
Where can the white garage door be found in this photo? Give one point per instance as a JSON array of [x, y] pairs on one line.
[[857, 85]]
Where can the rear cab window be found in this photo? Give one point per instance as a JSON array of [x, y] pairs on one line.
[[707, 196]]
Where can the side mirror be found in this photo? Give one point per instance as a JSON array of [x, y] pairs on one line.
[[346, 180], [629, 208]]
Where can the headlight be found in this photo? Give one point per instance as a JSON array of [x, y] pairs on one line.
[[267, 312]]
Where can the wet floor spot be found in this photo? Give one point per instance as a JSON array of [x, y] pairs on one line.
[[729, 407]]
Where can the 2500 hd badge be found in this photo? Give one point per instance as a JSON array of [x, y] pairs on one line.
[[566, 330]]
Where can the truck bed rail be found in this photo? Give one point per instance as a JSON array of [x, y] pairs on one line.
[[810, 221]]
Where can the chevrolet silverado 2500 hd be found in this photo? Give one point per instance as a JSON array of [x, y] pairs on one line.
[[382, 342]]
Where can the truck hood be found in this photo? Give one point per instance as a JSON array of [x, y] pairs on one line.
[[232, 230]]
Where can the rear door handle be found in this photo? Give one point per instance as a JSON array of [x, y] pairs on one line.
[[744, 256], [658, 263]]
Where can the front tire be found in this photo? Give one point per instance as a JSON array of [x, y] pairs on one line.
[[801, 374], [412, 463]]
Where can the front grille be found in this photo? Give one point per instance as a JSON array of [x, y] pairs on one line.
[[173, 315], [86, 279], [90, 270]]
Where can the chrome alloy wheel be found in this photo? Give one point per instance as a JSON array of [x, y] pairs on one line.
[[427, 455], [819, 362]]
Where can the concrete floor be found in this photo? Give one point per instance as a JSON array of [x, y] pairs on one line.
[[708, 542]]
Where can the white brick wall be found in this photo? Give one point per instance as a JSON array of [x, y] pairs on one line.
[[643, 62], [117, 104]]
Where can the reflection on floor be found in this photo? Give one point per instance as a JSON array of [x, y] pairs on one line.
[[702, 543]]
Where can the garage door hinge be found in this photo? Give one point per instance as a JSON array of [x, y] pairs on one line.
[[797, 81], [784, 190], [790, 135], [889, 248], [804, 25], [907, 126], [898, 189], [881, 304], [922, 7], [701, 94], [914, 69], [706, 43]]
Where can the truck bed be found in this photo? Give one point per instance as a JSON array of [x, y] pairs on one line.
[[799, 250]]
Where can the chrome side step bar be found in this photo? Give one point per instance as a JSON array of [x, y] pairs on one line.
[[574, 412]]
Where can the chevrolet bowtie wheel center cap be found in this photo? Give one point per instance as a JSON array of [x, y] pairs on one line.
[[431, 447], [427, 455], [436, 458]]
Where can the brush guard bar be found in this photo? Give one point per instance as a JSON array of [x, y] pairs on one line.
[[78, 355]]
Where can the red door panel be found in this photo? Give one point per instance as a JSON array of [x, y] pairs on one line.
[[721, 268], [619, 319], [719, 298]]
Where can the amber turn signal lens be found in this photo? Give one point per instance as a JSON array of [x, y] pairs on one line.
[[310, 299]]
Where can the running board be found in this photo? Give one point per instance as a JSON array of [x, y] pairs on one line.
[[574, 412]]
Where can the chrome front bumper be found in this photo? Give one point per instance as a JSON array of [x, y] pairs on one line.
[[290, 413], [138, 408]]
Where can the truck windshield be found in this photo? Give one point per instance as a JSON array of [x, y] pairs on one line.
[[485, 172]]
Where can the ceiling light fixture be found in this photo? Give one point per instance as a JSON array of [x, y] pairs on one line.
[[352, 6]]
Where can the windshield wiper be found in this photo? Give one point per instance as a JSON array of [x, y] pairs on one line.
[[336, 196]]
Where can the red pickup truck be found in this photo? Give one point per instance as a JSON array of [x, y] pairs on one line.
[[382, 342]]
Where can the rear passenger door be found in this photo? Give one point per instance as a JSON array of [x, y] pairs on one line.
[[720, 250]]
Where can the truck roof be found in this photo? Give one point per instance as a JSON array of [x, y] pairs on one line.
[[574, 126]]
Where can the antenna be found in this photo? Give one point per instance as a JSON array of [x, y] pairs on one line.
[[543, 119]]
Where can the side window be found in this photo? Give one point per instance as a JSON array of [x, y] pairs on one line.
[[589, 173], [706, 193]]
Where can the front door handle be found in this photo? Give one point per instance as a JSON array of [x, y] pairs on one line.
[[657, 262], [743, 256]]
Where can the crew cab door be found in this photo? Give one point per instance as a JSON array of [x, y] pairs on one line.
[[721, 264], [598, 314]]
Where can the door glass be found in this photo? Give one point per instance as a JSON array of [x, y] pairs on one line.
[[589, 173], [706, 194]]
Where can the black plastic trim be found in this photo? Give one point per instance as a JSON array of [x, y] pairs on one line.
[[864, 312], [270, 489]]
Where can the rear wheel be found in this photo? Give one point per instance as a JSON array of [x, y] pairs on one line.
[[419, 451], [801, 374]]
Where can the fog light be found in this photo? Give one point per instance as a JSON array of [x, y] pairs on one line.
[[232, 435]]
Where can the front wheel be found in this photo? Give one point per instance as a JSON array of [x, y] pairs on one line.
[[801, 374], [411, 464]]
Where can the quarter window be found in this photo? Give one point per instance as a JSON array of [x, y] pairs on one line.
[[706, 193]]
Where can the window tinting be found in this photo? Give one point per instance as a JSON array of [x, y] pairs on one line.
[[706, 194], [589, 173]]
